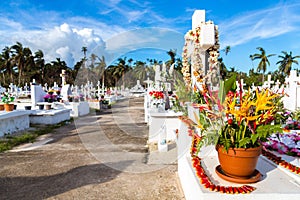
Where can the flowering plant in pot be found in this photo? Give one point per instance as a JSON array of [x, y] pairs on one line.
[[49, 97], [8, 100], [236, 120]]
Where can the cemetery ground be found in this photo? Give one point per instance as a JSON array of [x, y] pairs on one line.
[[63, 168]]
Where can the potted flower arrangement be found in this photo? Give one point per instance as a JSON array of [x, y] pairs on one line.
[[237, 123], [156, 94], [7, 99], [157, 98], [49, 97]]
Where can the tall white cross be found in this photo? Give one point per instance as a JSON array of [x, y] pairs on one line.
[[207, 37], [63, 77]]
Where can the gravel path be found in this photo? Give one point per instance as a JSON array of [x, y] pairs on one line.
[[100, 156]]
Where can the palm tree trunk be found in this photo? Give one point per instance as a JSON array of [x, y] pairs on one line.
[[19, 77], [123, 80]]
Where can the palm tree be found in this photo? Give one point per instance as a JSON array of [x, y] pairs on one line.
[[54, 72], [6, 66], [227, 50], [40, 64], [84, 50], [100, 66], [223, 69], [172, 54], [285, 65], [22, 58], [264, 61], [140, 71], [121, 69]]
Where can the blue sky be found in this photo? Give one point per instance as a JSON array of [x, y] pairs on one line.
[[147, 29]]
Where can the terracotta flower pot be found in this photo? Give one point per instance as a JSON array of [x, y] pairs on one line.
[[238, 162], [47, 107], [1, 107], [8, 107]]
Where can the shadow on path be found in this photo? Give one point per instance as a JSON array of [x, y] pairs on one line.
[[41, 187]]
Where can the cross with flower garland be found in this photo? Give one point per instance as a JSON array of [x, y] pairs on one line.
[[201, 52]]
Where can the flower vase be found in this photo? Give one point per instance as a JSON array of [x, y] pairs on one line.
[[41, 107], [27, 107], [8, 107], [238, 164], [47, 107]]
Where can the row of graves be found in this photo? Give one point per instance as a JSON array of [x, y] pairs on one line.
[[161, 113], [275, 173], [37, 104]]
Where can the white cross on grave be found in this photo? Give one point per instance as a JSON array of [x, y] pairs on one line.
[[63, 77], [46, 87], [207, 39], [277, 85], [269, 82], [98, 88], [11, 86], [292, 79]]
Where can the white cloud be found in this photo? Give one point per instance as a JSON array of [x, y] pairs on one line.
[[65, 43], [145, 38], [261, 24]]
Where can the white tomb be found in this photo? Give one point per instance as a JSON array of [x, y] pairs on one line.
[[49, 116], [162, 126], [13, 121], [78, 109]]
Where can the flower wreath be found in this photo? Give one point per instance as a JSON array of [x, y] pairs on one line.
[[193, 37]]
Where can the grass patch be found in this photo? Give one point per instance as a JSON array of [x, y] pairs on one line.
[[10, 141]]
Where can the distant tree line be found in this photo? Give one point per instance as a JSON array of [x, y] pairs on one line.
[[257, 77], [19, 65]]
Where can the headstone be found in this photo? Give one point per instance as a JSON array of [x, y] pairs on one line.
[[46, 87], [37, 94], [157, 77], [98, 88], [55, 87], [291, 102], [163, 72], [65, 92]]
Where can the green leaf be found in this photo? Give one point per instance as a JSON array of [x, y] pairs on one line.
[[243, 142], [226, 86]]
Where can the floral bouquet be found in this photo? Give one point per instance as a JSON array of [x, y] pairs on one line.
[[240, 119], [156, 94]]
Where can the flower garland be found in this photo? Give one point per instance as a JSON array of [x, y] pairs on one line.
[[200, 172], [277, 160], [193, 37]]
